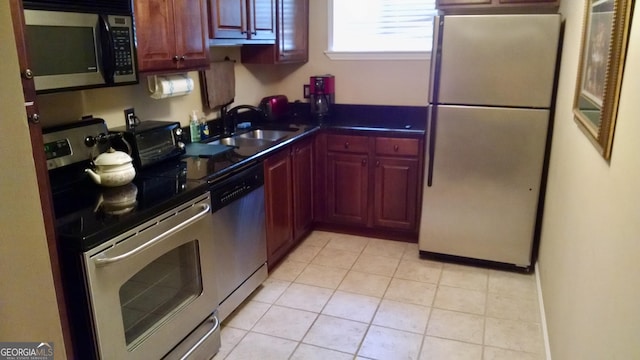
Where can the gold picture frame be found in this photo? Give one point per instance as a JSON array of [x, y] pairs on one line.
[[604, 44]]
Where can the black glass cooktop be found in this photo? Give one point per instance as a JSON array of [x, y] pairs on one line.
[[88, 214]]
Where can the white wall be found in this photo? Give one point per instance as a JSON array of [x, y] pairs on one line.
[[590, 246], [28, 308]]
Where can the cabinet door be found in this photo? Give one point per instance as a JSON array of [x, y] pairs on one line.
[[302, 155], [396, 193], [278, 203], [156, 42], [262, 19], [228, 19], [293, 31], [347, 188], [192, 41]]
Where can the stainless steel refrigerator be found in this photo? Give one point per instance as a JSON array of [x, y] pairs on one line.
[[492, 80]]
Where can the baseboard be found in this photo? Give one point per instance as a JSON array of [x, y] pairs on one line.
[[543, 316]]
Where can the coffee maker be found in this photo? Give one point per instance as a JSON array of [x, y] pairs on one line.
[[322, 95]]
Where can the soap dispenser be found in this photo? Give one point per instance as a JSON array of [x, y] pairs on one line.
[[194, 127]]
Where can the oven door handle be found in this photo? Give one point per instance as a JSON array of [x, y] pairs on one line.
[[101, 260]]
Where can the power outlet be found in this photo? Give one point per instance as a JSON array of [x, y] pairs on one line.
[[130, 118]]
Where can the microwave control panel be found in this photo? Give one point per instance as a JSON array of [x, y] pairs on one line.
[[122, 50]]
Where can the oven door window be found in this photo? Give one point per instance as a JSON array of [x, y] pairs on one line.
[[159, 290]]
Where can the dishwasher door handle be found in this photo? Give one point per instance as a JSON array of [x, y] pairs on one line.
[[102, 260]]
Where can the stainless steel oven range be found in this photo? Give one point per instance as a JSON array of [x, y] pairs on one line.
[[140, 280]]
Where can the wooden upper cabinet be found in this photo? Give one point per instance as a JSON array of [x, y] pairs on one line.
[[171, 35], [292, 36], [242, 19], [497, 6]]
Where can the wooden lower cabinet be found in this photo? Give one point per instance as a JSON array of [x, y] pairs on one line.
[[302, 175], [347, 188], [372, 182], [288, 198], [396, 193]]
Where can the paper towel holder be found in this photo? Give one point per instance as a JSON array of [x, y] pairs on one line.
[[155, 89]]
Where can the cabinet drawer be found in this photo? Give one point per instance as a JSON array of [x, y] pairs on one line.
[[348, 143], [394, 146]]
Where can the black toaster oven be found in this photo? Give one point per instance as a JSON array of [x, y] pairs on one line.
[[151, 142]]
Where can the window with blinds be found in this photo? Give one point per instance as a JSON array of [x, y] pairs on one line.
[[380, 28]]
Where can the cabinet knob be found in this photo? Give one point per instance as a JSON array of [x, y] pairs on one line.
[[34, 119], [28, 74], [378, 163], [396, 148], [183, 58], [346, 145], [176, 58], [364, 162]]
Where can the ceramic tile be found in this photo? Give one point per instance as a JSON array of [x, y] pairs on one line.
[[336, 334], [288, 270], [285, 323], [270, 290], [230, 337], [424, 271], [456, 326], [444, 349], [512, 284], [378, 265], [348, 243], [310, 352], [352, 306], [319, 238], [247, 315], [412, 292], [412, 252], [491, 353], [459, 299], [391, 304], [402, 316], [384, 343], [512, 308], [335, 258], [514, 335], [322, 276], [365, 284], [464, 277], [263, 347], [388, 248], [305, 297], [304, 253]]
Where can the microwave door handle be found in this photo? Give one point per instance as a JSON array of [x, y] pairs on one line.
[[107, 48]]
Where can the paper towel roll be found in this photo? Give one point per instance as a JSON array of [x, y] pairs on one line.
[[161, 87]]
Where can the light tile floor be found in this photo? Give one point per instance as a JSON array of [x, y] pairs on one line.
[[339, 296]]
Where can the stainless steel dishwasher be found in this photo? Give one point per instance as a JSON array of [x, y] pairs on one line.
[[239, 236]]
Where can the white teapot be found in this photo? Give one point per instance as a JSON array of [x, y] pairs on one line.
[[112, 168]]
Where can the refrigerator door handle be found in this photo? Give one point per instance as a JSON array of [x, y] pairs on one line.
[[436, 49], [431, 142]]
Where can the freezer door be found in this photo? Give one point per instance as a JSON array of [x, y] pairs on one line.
[[482, 196], [498, 60]]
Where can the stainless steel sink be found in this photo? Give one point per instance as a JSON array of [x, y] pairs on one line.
[[272, 135], [238, 141]]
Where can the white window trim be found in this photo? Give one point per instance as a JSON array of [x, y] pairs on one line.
[[367, 55]]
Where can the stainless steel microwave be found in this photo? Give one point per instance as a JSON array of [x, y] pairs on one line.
[[79, 50]]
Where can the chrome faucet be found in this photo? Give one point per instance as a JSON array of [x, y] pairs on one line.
[[230, 117]]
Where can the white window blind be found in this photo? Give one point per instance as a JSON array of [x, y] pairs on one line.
[[381, 27]]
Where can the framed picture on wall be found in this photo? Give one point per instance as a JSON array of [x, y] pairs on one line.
[[604, 43]]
